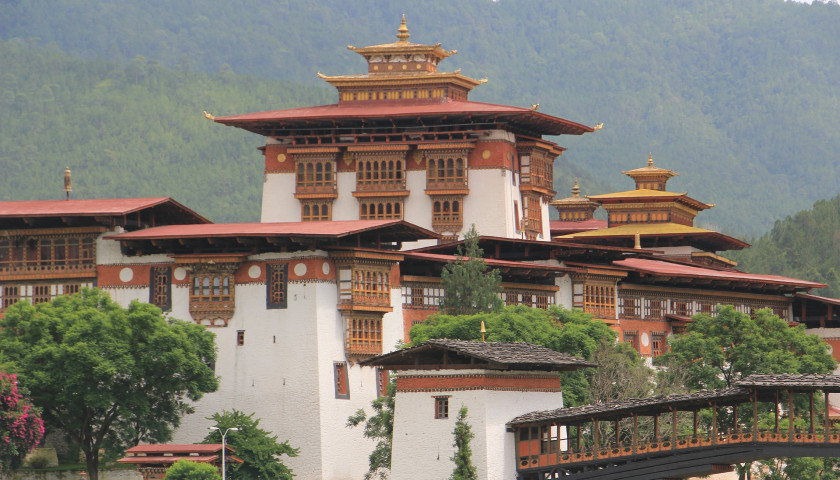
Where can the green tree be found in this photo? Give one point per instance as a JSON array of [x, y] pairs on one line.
[[259, 451], [464, 468], [469, 286], [21, 427], [110, 377], [187, 470], [380, 428], [568, 331], [716, 352]]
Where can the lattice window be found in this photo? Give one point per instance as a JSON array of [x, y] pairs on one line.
[[342, 386], [212, 294], [364, 335], [632, 338], [657, 343], [707, 308], [211, 287], [315, 173], [11, 295], [631, 307], [71, 288], [40, 254], [361, 286], [313, 211], [655, 309], [681, 308], [382, 380], [532, 215], [41, 294], [160, 293], [418, 295], [599, 299], [387, 172], [277, 285], [447, 170], [537, 170], [380, 209], [441, 407], [240, 337]]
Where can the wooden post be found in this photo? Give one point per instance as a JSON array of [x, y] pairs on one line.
[[735, 417], [694, 432], [827, 423], [811, 399], [674, 425], [790, 415], [578, 436], [714, 423]]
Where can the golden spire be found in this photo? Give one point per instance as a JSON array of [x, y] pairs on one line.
[[650, 159], [576, 189], [68, 187], [403, 31]]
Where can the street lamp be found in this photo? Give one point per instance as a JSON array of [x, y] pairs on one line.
[[223, 445]]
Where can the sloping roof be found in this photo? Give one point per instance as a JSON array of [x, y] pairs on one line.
[[337, 228], [830, 383], [88, 207], [706, 239], [492, 263], [663, 268], [263, 122], [818, 299], [560, 227], [179, 448], [492, 355]]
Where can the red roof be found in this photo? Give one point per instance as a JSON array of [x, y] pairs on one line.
[[435, 257], [337, 228], [818, 299], [91, 207], [657, 267], [546, 124], [173, 459], [181, 449], [562, 227]]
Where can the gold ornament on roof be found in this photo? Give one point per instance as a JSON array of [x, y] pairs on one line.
[[403, 34], [650, 159], [535, 107], [599, 126], [208, 116], [576, 189]]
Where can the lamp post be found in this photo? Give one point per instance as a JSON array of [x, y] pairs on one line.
[[223, 446]]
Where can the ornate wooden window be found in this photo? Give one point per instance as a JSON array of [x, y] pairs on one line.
[[599, 299], [364, 286], [537, 170], [9, 295], [41, 294], [212, 293], [47, 254], [315, 211], [240, 337], [632, 338], [364, 335], [342, 387], [448, 172], [382, 380], [314, 174], [534, 296], [532, 215], [421, 293], [681, 308], [631, 307], [277, 285], [657, 343], [654, 309], [441, 407], [160, 291], [380, 174], [380, 209], [71, 288]]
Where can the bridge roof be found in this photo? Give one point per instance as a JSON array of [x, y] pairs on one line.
[[646, 406]]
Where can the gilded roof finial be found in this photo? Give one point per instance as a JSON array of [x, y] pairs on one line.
[[403, 31], [576, 189], [68, 185], [650, 160]]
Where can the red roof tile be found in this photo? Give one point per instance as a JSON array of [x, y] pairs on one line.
[[550, 124], [560, 227], [89, 207], [658, 267], [337, 228], [178, 448], [435, 257]]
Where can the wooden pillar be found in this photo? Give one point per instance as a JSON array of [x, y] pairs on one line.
[[830, 314], [674, 429], [714, 423], [804, 312], [827, 423], [735, 417], [578, 436], [790, 415], [811, 400]]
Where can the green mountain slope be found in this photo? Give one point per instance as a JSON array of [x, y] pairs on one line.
[[740, 97], [804, 245], [134, 130]]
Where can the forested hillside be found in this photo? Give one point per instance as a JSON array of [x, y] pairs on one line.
[[740, 97], [804, 245]]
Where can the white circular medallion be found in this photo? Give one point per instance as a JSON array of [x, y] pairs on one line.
[[300, 269], [254, 271], [126, 274], [645, 339], [325, 268], [180, 273]]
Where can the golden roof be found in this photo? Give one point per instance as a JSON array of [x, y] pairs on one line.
[[402, 45], [631, 229], [651, 195], [650, 171], [401, 79], [575, 199]]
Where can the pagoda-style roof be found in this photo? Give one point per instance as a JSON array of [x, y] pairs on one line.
[[670, 272], [402, 46], [166, 455], [657, 235], [439, 354], [398, 115], [650, 171], [129, 213], [254, 237], [644, 195], [560, 227]]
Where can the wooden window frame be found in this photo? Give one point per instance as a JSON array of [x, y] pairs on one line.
[[308, 211], [160, 287], [441, 407], [380, 209], [342, 385], [240, 338], [383, 378], [277, 286], [632, 338]]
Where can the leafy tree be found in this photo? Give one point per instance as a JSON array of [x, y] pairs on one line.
[[259, 451], [467, 284], [464, 468], [621, 375], [378, 427], [718, 351], [110, 377], [187, 470], [568, 331], [21, 427]]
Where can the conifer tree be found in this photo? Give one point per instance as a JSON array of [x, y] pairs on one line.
[[464, 468], [469, 287]]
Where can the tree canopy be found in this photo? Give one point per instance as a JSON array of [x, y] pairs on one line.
[[21, 427], [259, 451], [568, 331], [109, 377], [188, 470], [469, 285]]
